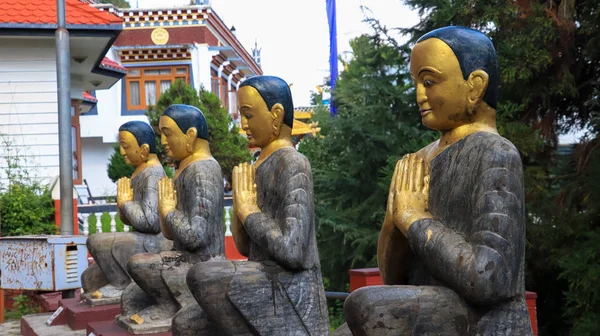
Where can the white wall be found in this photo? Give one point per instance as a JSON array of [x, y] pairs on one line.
[[201, 59], [95, 155], [28, 106], [106, 122]]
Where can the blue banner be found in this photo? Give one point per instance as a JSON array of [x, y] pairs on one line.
[[333, 54]]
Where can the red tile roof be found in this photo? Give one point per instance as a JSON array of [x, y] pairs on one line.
[[44, 12], [89, 97], [109, 64]]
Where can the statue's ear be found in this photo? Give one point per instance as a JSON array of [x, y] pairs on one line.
[[191, 134], [478, 82], [277, 113], [144, 152]]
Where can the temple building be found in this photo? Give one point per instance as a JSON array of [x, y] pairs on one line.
[[147, 48], [158, 46]]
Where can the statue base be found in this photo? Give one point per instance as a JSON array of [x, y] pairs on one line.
[[108, 328], [77, 314], [101, 302], [147, 327]]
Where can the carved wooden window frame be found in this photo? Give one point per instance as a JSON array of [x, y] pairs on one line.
[[137, 74]]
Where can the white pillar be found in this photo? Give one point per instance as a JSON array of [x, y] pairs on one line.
[[201, 66], [98, 222], [227, 221], [86, 223], [237, 86], [231, 95], [113, 222]]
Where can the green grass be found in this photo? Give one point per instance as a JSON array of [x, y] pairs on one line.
[[105, 220]]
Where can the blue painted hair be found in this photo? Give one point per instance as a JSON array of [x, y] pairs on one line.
[[186, 117], [274, 90], [474, 51], [142, 132]]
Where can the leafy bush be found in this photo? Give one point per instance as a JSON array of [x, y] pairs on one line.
[[27, 208], [26, 205], [117, 167]]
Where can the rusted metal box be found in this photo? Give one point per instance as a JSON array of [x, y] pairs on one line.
[[49, 263]]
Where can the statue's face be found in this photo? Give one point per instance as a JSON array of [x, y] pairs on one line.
[[257, 120], [130, 149], [173, 139], [441, 89]]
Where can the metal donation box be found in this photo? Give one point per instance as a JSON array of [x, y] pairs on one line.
[[48, 263]]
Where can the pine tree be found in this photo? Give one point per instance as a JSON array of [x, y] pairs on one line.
[[377, 123], [227, 146], [117, 167]]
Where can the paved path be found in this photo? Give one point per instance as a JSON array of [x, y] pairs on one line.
[[10, 328]]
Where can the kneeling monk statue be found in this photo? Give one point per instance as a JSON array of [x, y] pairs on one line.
[[452, 244], [191, 212], [137, 201], [279, 290]]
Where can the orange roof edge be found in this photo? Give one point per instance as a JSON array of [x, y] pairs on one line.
[[43, 12]]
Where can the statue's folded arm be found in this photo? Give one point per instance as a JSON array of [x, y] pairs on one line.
[[286, 241], [143, 216], [483, 265], [191, 229]]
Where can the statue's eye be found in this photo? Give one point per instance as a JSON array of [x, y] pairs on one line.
[[427, 83]]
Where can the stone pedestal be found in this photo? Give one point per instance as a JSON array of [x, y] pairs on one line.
[[78, 314], [155, 327], [101, 302], [108, 328]]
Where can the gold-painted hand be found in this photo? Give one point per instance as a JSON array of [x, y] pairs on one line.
[[124, 191], [389, 211], [411, 192], [167, 201], [244, 192]]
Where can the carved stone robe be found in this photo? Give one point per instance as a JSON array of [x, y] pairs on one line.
[[142, 213], [475, 243], [197, 222], [288, 297], [196, 225]]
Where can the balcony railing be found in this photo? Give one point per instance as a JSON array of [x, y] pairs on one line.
[[88, 216]]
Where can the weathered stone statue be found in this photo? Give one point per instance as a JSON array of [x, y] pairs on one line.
[[191, 213], [279, 290], [137, 200], [453, 240]]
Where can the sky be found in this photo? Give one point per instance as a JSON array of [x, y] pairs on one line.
[[294, 35]]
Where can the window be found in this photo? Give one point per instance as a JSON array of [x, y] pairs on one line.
[[76, 142], [145, 85]]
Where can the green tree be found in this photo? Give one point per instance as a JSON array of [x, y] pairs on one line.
[[549, 58], [26, 205], [377, 123], [117, 3], [117, 167], [228, 147]]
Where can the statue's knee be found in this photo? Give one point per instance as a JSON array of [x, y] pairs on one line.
[[124, 243], [97, 240], [207, 272], [142, 261], [124, 239], [356, 303]]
